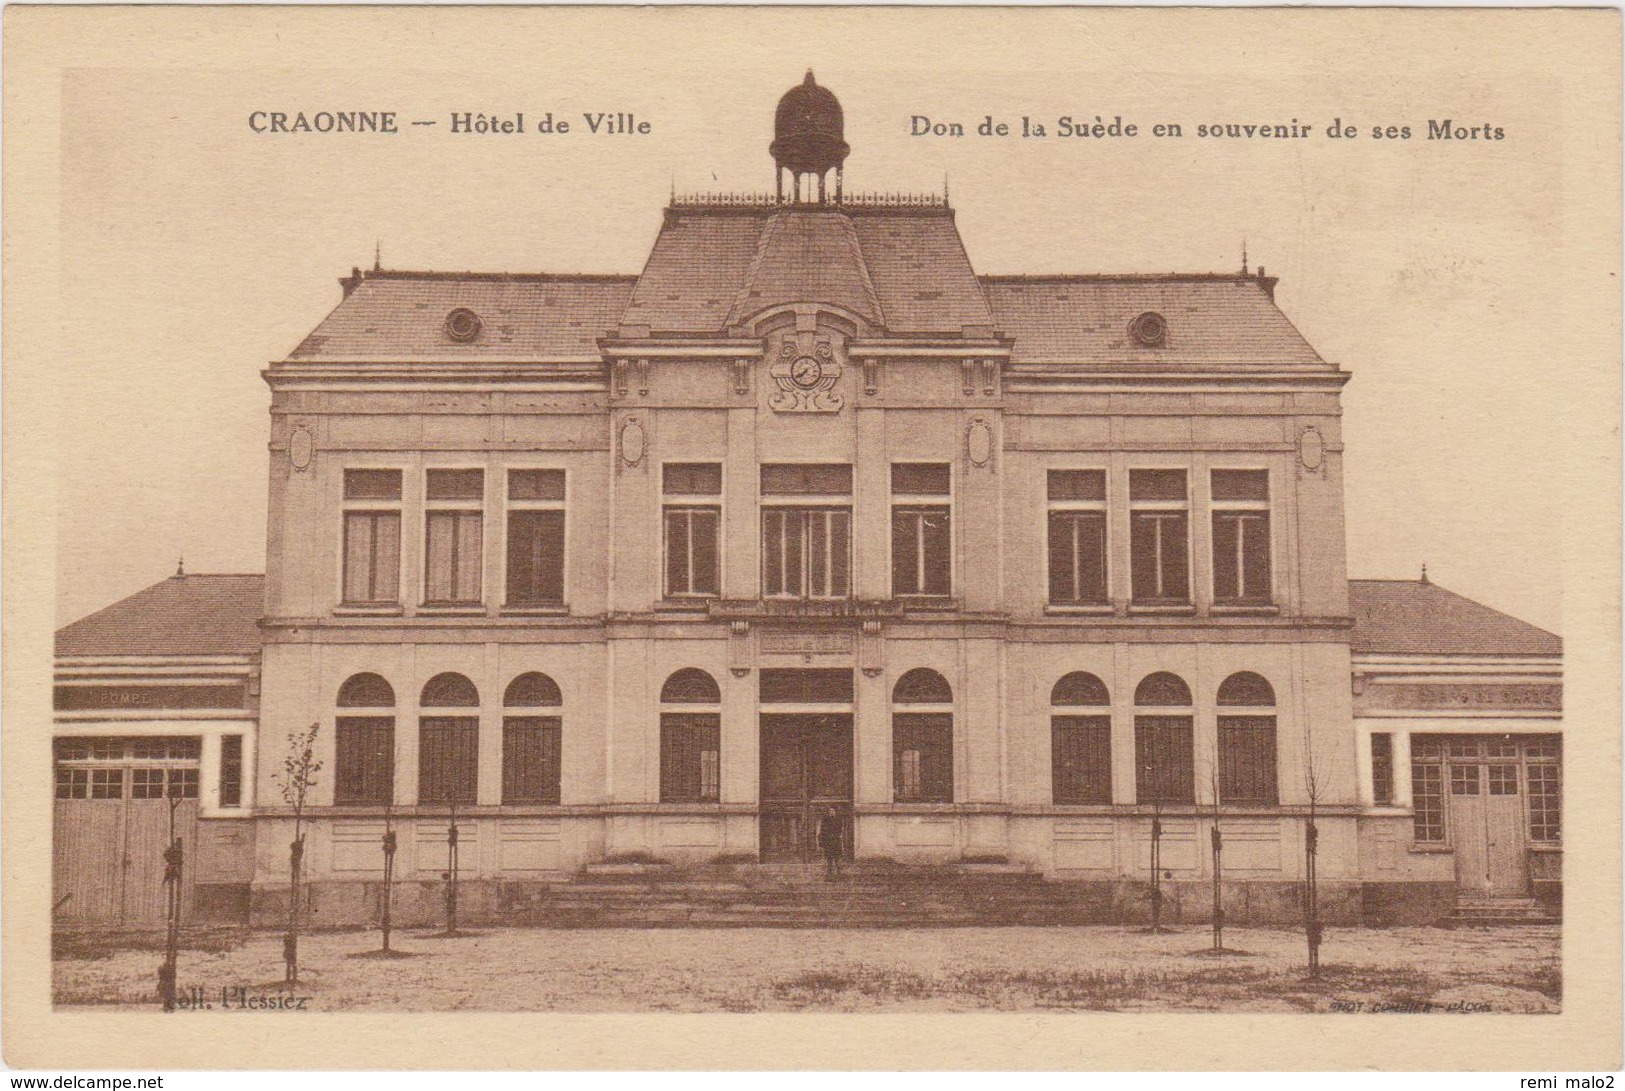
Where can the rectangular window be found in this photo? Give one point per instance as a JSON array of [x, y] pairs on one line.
[[806, 479], [107, 784], [1159, 537], [1427, 797], [530, 759], [372, 537], [690, 758], [921, 525], [364, 765], [1464, 780], [692, 526], [231, 770], [1077, 537], [72, 783], [454, 536], [1164, 759], [1247, 760], [1545, 801], [806, 552], [147, 783], [1382, 768], [923, 756], [805, 686], [1241, 537], [448, 759], [535, 538], [1503, 780], [1081, 758]]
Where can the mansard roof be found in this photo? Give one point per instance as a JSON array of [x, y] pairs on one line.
[[183, 615], [898, 264], [1211, 318], [1417, 617], [393, 314], [901, 268]]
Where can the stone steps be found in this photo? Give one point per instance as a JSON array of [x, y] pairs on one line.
[[866, 896], [1473, 912]]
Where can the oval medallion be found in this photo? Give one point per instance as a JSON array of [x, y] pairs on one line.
[[632, 442], [979, 442], [300, 447], [1311, 448]]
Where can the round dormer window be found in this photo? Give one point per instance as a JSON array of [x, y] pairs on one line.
[[463, 325], [1149, 329]]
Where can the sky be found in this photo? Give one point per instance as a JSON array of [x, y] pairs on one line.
[[195, 251]]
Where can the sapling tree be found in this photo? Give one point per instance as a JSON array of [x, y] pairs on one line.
[[1218, 864], [1315, 784], [297, 777]]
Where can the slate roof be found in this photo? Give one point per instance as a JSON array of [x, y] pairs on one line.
[[1410, 617], [902, 268], [183, 615], [1212, 319], [400, 315]]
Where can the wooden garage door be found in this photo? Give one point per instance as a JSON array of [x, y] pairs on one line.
[[119, 803]]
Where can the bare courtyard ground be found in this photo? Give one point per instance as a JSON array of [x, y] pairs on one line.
[[1513, 969]]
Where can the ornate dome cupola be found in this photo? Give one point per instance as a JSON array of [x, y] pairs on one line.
[[808, 137]]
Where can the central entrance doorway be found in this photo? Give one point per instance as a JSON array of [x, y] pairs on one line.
[[806, 773]]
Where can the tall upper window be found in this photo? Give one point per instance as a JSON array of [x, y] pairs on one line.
[[372, 537], [454, 522], [1077, 537], [448, 742], [531, 740], [692, 521], [1081, 740], [535, 538], [364, 742], [1247, 772], [1241, 537], [921, 542], [1164, 740], [923, 738], [806, 531], [1159, 537], [690, 738]]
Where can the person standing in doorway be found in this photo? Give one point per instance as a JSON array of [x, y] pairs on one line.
[[832, 840]]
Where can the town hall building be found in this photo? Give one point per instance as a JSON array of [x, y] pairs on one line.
[[810, 518]]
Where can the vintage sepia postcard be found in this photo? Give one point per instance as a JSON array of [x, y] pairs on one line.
[[563, 527]]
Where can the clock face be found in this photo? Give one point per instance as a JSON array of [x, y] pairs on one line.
[[806, 371]]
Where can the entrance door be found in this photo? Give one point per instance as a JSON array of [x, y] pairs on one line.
[[1487, 817], [806, 772]]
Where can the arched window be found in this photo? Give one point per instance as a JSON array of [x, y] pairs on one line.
[[531, 744], [1162, 690], [532, 690], [1080, 745], [448, 746], [922, 686], [691, 740], [922, 742], [450, 690], [364, 746], [366, 690], [1247, 689], [1164, 746], [690, 686], [1247, 772], [1079, 688]]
